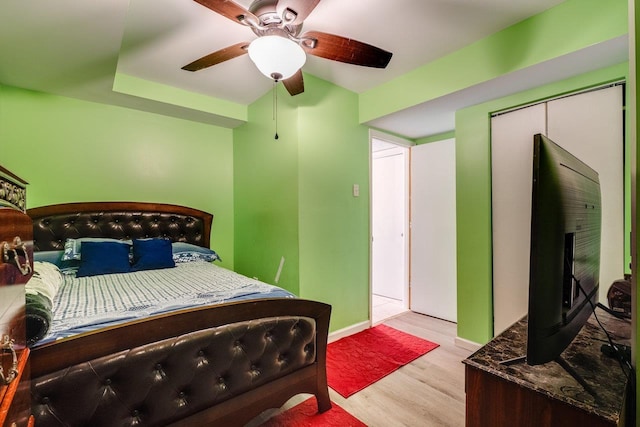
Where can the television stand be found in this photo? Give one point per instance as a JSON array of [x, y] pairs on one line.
[[576, 376], [502, 391], [565, 365]]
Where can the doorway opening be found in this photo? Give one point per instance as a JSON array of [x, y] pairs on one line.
[[389, 229]]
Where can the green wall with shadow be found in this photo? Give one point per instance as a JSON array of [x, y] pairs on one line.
[[293, 198], [71, 150]]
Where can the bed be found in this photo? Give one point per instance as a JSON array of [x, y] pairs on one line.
[[219, 364]]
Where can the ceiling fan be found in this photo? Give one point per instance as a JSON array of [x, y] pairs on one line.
[[280, 49]]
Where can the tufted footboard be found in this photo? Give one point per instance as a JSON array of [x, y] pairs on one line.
[[211, 366]]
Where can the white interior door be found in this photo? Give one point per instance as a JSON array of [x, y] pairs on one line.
[[433, 230], [388, 222]]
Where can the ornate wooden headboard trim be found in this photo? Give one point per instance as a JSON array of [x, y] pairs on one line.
[[53, 224], [13, 190]]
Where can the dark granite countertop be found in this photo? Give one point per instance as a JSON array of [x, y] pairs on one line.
[[602, 373]]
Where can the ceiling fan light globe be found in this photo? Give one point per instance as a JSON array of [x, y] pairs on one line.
[[277, 56]]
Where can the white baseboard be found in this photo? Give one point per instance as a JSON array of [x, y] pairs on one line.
[[466, 344], [349, 330]]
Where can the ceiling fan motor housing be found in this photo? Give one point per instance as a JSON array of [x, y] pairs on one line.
[[269, 18]]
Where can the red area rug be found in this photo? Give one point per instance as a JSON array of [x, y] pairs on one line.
[[361, 359], [306, 414]]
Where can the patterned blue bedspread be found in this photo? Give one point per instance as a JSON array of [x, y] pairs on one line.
[[89, 303]]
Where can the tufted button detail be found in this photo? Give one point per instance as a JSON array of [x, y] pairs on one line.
[[266, 362], [46, 400]]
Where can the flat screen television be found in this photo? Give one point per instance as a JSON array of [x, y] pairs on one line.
[[565, 250]]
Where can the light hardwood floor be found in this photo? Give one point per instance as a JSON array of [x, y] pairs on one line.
[[427, 392]]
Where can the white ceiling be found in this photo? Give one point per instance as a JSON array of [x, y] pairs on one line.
[[74, 48]]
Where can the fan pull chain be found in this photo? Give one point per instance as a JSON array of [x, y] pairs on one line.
[[275, 105]]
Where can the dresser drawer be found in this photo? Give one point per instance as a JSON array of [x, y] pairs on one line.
[[15, 399]]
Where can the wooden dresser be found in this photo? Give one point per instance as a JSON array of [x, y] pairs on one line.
[[547, 395], [16, 267]]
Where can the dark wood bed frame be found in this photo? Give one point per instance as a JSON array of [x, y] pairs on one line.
[[53, 224]]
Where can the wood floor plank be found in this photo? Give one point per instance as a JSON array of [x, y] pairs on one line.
[[427, 392]]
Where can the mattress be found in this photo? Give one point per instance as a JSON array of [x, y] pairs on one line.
[[89, 303]]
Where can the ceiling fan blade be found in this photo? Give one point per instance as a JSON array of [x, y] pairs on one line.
[[338, 48], [230, 9], [293, 12], [217, 57], [294, 84]]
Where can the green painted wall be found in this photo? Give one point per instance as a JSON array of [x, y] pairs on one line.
[[146, 89], [542, 37], [293, 198], [473, 198], [435, 138], [568, 27], [70, 150], [634, 125], [334, 225], [266, 192]]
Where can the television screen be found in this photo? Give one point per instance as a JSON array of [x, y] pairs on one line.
[[565, 250]]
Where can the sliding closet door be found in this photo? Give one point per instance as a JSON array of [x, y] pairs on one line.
[[588, 125], [511, 172], [591, 127]]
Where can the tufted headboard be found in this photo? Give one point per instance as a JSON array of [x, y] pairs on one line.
[[53, 224]]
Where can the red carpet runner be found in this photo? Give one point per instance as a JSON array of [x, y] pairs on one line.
[[359, 360], [306, 415]]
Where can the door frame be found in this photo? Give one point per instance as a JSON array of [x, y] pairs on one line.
[[401, 142]]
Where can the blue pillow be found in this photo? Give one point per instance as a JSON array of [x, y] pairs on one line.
[[151, 254], [103, 258]]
